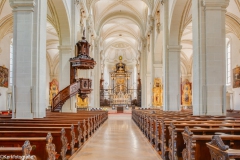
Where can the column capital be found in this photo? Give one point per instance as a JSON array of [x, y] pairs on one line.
[[214, 4], [65, 48], [174, 48], [20, 5]]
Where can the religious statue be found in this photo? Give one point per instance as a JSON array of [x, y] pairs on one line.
[[53, 90], [120, 82], [186, 93], [157, 92]]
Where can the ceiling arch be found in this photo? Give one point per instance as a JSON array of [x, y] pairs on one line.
[[63, 24], [122, 15], [6, 25], [91, 3], [119, 34], [1, 5]]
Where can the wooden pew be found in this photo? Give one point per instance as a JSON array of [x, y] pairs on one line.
[[196, 144], [84, 124], [218, 150], [40, 142], [155, 126], [73, 140], [17, 152], [40, 149]]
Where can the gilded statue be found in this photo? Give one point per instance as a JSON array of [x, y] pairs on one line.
[[81, 102], [157, 92], [186, 93]]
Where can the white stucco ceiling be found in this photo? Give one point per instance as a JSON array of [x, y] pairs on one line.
[[121, 34]]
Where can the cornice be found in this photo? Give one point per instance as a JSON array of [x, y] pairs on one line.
[[216, 4], [22, 5], [174, 48], [67, 48]]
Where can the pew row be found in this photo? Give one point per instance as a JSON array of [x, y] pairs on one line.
[[164, 129], [69, 131]]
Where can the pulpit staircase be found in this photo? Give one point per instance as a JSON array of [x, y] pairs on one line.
[[64, 95]]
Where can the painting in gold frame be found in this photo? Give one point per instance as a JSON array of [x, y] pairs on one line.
[[157, 92], [53, 90], [236, 77], [3, 77], [186, 93]]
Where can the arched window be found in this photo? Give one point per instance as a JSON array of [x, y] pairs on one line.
[[228, 62], [11, 64]]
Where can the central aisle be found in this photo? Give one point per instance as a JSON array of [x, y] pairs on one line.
[[118, 139]]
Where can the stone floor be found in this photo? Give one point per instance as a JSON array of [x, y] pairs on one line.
[[118, 139]]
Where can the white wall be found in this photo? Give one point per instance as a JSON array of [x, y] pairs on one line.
[[3, 98], [4, 60], [235, 52], [48, 80]]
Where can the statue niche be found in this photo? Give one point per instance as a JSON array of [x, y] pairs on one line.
[[157, 92], [186, 93]]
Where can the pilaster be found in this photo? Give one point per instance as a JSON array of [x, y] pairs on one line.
[[65, 53], [172, 78], [171, 67], [95, 96], [29, 57], [143, 75], [209, 66]]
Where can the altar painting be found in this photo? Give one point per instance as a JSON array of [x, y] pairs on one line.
[[120, 83], [3, 77], [157, 92], [186, 93], [236, 77], [53, 90]]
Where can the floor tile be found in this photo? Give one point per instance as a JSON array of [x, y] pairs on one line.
[[118, 139]]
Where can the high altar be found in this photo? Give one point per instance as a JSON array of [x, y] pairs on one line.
[[157, 92], [120, 93]]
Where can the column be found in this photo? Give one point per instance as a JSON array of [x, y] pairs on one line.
[[173, 92], [96, 76], [149, 75], [171, 67], [209, 71], [65, 53], [29, 56], [143, 75]]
